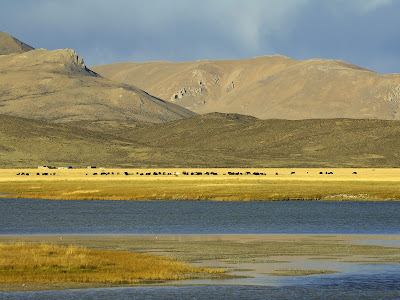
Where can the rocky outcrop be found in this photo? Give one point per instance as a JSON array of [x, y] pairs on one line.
[[57, 86]]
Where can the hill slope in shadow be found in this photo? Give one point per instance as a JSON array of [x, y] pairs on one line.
[[212, 140]]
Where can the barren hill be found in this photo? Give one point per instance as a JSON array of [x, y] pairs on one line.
[[211, 140], [57, 86], [267, 87], [9, 44]]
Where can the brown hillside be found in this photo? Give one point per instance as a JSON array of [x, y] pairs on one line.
[[9, 45], [267, 87], [56, 85], [212, 140], [231, 140], [29, 143]]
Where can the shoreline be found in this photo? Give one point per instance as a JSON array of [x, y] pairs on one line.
[[242, 255]]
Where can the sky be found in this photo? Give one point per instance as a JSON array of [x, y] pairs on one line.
[[362, 32]]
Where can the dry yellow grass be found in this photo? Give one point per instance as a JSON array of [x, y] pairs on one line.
[[305, 184], [50, 263]]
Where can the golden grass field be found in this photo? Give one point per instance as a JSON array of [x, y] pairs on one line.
[[304, 184], [46, 263]]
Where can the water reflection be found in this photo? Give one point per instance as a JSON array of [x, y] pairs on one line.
[[363, 287], [35, 216]]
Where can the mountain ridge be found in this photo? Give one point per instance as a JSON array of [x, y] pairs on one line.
[[10, 44], [57, 86], [267, 87]]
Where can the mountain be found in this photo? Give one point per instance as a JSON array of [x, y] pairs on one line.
[[267, 87], [211, 140], [9, 44], [57, 86]]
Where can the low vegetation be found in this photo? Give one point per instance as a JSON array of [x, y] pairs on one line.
[[304, 184], [48, 263], [26, 263]]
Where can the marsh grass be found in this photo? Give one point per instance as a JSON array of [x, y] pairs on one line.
[[48, 263], [218, 189], [231, 251]]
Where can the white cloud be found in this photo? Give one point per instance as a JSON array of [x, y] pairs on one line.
[[367, 6], [358, 7]]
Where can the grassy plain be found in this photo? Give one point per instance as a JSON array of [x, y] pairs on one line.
[[289, 184]]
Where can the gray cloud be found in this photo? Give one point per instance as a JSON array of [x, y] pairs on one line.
[[364, 32]]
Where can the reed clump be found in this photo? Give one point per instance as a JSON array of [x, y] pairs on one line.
[[47, 263]]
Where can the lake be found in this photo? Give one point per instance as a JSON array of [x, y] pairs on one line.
[[36, 216]]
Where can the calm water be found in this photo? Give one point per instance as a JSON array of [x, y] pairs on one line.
[[359, 288], [35, 216]]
